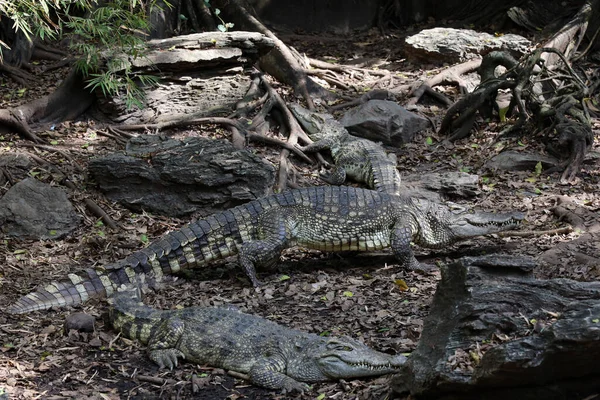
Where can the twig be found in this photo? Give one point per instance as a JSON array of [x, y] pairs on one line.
[[55, 150], [155, 380], [99, 212], [557, 231]]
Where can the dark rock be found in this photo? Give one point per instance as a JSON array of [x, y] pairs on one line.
[[451, 45], [519, 161], [34, 210], [439, 186], [14, 167], [384, 121], [496, 332], [80, 321], [177, 177]]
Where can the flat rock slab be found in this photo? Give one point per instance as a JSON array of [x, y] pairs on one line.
[[384, 121], [34, 210], [496, 332], [520, 161], [178, 177], [457, 45]]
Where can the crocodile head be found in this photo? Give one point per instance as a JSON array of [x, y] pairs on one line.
[[341, 358], [441, 225], [317, 125]]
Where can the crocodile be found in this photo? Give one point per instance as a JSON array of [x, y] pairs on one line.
[[327, 218], [273, 356], [359, 159]]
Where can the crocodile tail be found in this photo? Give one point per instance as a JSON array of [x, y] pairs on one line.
[[190, 246]]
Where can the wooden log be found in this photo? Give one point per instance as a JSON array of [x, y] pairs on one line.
[[495, 331]]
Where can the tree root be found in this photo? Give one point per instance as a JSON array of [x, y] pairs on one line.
[[450, 75]]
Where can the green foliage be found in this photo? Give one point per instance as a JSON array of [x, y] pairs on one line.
[[223, 26], [106, 30]]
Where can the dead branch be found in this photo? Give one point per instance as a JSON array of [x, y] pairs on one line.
[[557, 231], [450, 75], [378, 94]]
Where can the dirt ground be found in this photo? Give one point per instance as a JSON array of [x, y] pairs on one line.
[[329, 294]]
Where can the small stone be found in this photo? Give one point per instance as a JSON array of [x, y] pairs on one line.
[[81, 322]]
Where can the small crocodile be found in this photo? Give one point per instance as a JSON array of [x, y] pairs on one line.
[[327, 218], [358, 159], [273, 356]]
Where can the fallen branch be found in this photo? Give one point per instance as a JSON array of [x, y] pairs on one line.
[[558, 231]]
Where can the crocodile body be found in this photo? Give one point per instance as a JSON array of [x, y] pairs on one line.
[[358, 159], [327, 218], [273, 356]]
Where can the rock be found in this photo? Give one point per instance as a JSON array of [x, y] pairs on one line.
[[384, 121], [439, 186], [80, 321], [496, 332], [519, 161], [178, 177], [34, 210], [14, 167], [457, 45]]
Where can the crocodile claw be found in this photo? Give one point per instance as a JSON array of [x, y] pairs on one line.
[[166, 358]]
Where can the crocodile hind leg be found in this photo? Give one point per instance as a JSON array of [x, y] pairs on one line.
[[264, 252], [162, 346]]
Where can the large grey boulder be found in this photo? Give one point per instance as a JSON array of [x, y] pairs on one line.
[[35, 210], [457, 45], [178, 177]]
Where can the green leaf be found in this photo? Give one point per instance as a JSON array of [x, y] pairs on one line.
[[485, 179], [144, 238], [284, 277], [502, 113], [321, 396], [531, 180], [521, 144], [325, 333], [20, 251], [596, 320], [222, 28], [99, 223], [474, 145], [52, 232], [101, 234], [348, 293], [217, 11], [429, 140], [538, 168], [54, 142]]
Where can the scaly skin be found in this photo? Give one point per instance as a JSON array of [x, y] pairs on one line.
[[273, 356], [358, 159], [327, 218]]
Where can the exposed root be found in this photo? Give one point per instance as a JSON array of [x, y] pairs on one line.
[[450, 75]]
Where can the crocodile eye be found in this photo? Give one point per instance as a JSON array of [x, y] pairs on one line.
[[338, 346]]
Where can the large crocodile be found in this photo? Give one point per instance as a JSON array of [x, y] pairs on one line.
[[327, 218], [358, 159], [273, 356]]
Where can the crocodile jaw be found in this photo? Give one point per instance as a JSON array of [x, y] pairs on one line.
[[347, 358], [469, 225]]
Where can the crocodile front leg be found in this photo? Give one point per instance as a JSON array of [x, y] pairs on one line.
[[400, 244], [267, 372], [162, 346], [265, 252]]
